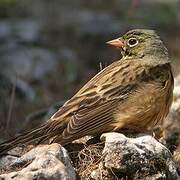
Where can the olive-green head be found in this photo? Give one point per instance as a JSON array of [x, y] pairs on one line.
[[139, 43]]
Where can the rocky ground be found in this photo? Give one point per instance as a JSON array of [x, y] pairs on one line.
[[48, 49], [116, 157], [113, 156]]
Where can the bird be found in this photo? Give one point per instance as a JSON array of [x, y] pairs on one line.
[[133, 94]]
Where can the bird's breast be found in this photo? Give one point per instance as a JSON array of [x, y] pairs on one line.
[[146, 107]]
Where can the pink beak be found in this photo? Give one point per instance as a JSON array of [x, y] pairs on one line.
[[115, 43]]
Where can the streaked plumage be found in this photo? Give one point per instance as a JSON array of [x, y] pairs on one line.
[[133, 94]]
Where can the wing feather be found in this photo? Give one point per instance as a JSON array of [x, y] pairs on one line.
[[93, 107]]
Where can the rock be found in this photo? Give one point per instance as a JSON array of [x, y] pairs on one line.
[[23, 90], [29, 64], [27, 30], [5, 30], [177, 87], [6, 161], [135, 158], [176, 156], [171, 126], [42, 162]]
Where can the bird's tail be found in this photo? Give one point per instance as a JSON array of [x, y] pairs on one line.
[[44, 132]]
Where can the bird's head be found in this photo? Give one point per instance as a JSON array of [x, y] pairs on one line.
[[138, 43]]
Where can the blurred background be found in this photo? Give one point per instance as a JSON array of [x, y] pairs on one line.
[[49, 49]]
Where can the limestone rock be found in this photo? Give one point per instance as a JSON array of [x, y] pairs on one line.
[[135, 158], [42, 162]]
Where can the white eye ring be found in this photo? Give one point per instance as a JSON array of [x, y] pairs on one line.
[[132, 42]]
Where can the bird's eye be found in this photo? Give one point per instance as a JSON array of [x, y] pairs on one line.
[[132, 42]]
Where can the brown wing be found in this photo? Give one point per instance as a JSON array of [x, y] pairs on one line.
[[94, 119], [91, 109]]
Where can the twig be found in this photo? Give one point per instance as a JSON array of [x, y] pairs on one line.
[[100, 65], [11, 104]]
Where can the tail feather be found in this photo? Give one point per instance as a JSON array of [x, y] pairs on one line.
[[38, 135]]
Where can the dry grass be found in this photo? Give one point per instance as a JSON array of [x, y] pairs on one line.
[[87, 159]]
